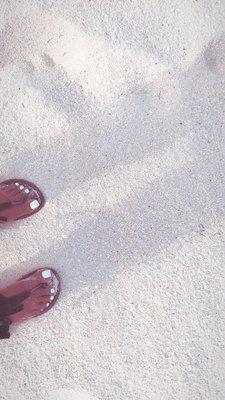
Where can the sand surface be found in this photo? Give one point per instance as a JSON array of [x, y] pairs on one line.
[[116, 109]]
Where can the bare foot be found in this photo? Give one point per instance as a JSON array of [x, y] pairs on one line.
[[19, 199], [32, 295]]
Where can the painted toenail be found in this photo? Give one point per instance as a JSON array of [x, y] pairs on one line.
[[46, 274], [34, 204], [17, 184], [27, 191], [21, 187], [52, 290], [52, 298]]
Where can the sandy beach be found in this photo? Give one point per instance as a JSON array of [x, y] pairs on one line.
[[116, 110]]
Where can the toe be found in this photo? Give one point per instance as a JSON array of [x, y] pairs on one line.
[[34, 204], [46, 273], [14, 190]]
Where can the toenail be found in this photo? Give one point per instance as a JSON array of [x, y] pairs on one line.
[[46, 274], [34, 204], [17, 184], [27, 191], [52, 290], [21, 187]]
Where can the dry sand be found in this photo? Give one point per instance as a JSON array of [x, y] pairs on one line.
[[116, 110]]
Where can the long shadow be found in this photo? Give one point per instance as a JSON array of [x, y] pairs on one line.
[[179, 204], [161, 212], [164, 211]]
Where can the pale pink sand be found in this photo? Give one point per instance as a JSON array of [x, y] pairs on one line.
[[116, 111]]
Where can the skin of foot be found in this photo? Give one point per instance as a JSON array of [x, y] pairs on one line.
[[19, 199], [29, 297]]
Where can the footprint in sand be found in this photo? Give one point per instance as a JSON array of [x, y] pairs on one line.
[[215, 55]]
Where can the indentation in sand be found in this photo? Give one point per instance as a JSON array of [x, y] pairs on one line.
[[215, 55]]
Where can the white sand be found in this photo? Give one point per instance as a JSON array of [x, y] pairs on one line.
[[116, 110]]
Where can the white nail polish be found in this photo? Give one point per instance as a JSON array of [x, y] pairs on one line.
[[46, 274], [34, 204]]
